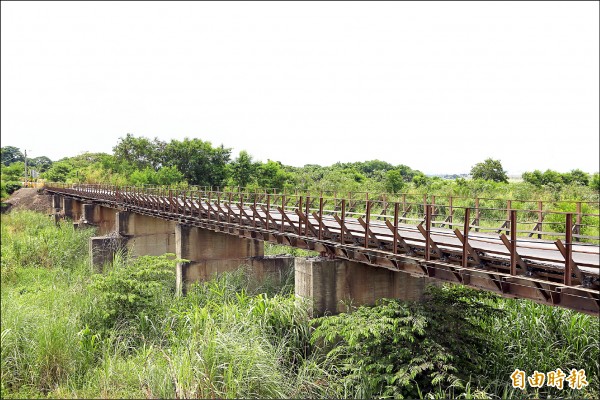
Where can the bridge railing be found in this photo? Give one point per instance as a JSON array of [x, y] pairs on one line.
[[536, 218]]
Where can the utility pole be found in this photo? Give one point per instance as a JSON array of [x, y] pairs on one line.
[[25, 168]]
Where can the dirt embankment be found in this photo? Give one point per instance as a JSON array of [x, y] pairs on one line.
[[28, 199]]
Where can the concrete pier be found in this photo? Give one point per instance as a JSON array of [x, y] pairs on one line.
[[144, 235], [103, 217], [103, 249], [209, 253], [333, 284]]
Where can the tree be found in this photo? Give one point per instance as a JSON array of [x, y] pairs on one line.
[[140, 152], [272, 175], [200, 163], [41, 163], [13, 172], [420, 180], [243, 169], [394, 182], [577, 176], [11, 154], [595, 182], [489, 170], [550, 177], [58, 172], [535, 178]]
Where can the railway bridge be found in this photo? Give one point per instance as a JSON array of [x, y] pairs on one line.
[[371, 247]]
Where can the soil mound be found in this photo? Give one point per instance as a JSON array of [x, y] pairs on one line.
[[28, 199]]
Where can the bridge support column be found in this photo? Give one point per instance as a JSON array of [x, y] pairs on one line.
[[144, 235], [210, 253], [70, 207], [56, 202], [332, 283], [103, 250], [102, 217], [67, 207]]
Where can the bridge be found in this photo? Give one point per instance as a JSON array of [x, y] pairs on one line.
[[383, 246]]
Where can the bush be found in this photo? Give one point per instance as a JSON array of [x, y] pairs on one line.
[[131, 292]]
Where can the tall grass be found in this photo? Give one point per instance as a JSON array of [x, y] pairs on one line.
[[231, 337]]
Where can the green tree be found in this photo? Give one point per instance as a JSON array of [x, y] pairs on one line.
[[577, 176], [595, 182], [41, 163], [200, 163], [13, 172], [11, 154], [535, 178], [140, 152], [243, 169], [394, 182], [420, 180], [489, 170], [550, 177], [272, 175], [58, 172]]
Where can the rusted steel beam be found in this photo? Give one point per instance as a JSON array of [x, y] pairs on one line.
[[307, 225], [427, 233], [465, 239], [284, 217], [365, 224], [342, 222], [299, 219], [513, 242], [269, 217], [568, 248], [320, 217], [395, 228], [398, 238]]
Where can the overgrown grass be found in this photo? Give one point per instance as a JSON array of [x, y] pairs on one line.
[[70, 333]]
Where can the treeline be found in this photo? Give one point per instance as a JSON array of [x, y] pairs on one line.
[[144, 161]]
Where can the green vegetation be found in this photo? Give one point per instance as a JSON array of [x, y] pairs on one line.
[[69, 332], [193, 162], [489, 170]]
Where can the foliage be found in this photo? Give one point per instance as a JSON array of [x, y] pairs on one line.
[[554, 178], [394, 182], [8, 188], [139, 152], [13, 172], [243, 170], [595, 182], [41, 163], [31, 240], [131, 290], [200, 163], [58, 172], [395, 349], [272, 175], [10, 155], [164, 176], [489, 170]]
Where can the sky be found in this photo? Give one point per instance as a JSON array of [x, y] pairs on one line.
[[436, 86]]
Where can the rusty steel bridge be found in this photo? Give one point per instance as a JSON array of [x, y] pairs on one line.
[[519, 249]]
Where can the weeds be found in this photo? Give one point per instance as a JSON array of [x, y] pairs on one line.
[[67, 332]]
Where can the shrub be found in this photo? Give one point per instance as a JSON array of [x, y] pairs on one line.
[[131, 291]]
